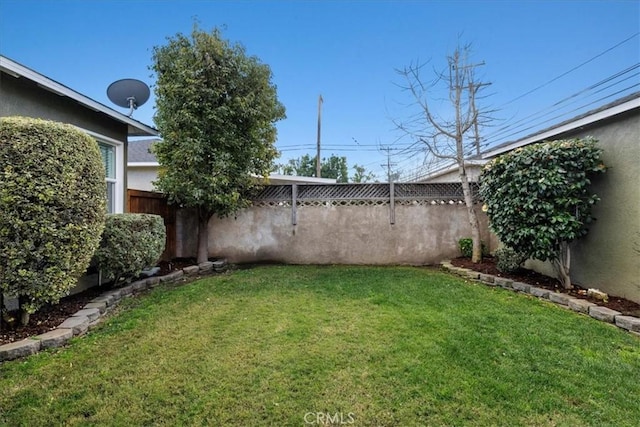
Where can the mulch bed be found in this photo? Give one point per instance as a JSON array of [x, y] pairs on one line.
[[488, 266], [50, 316]]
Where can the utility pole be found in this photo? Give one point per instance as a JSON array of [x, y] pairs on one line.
[[389, 164], [473, 89], [318, 167]]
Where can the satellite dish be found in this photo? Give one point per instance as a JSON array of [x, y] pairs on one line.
[[128, 93]]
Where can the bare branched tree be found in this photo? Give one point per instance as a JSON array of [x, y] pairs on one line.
[[452, 133]]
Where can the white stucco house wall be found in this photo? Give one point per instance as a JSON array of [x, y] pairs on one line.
[[142, 166]]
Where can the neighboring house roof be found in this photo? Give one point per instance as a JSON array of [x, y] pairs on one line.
[[134, 127], [453, 167], [140, 154], [294, 179]]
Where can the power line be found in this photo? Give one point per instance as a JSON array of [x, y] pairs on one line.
[[582, 107], [571, 70], [587, 92], [405, 153], [426, 170], [325, 145]]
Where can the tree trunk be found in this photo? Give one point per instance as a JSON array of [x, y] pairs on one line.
[[563, 265], [24, 314], [461, 128], [476, 255], [203, 236]]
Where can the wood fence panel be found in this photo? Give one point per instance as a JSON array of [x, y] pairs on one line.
[[155, 203]]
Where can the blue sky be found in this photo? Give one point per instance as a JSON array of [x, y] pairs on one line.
[[348, 51]]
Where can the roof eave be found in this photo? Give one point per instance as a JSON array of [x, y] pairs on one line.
[[134, 127], [452, 167], [143, 164]]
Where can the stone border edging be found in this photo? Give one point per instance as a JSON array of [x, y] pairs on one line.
[[93, 313], [604, 314]]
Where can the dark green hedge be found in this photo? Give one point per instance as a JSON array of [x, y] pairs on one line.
[[130, 243], [52, 208]]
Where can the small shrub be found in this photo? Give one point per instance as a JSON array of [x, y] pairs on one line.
[[52, 209], [466, 247], [130, 243], [509, 260]]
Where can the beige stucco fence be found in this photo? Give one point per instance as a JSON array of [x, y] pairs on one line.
[[416, 224]]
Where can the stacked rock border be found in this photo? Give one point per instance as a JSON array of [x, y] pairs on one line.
[[93, 312], [604, 314]]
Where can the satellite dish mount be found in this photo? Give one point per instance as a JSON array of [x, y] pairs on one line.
[[128, 93]]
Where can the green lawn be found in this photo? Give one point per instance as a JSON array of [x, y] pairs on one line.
[[363, 346]]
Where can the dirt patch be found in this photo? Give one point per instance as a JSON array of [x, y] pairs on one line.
[[488, 266]]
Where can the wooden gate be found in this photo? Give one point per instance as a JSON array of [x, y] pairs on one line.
[[156, 203]]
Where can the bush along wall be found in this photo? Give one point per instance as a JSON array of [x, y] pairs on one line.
[[52, 209], [466, 247], [538, 198], [130, 243]]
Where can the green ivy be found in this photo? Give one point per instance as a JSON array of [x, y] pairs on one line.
[[52, 208]]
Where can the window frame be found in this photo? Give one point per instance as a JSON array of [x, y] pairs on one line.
[[119, 159]]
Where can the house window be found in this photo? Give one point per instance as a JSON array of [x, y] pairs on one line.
[[108, 153]]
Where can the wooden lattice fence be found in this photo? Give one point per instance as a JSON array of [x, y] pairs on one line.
[[299, 195], [362, 193]]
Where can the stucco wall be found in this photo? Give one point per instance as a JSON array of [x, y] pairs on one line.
[[473, 173], [608, 258], [141, 177], [421, 235]]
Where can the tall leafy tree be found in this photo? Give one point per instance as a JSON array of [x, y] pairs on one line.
[[362, 175], [301, 166], [331, 167], [216, 108], [335, 167], [538, 198]]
